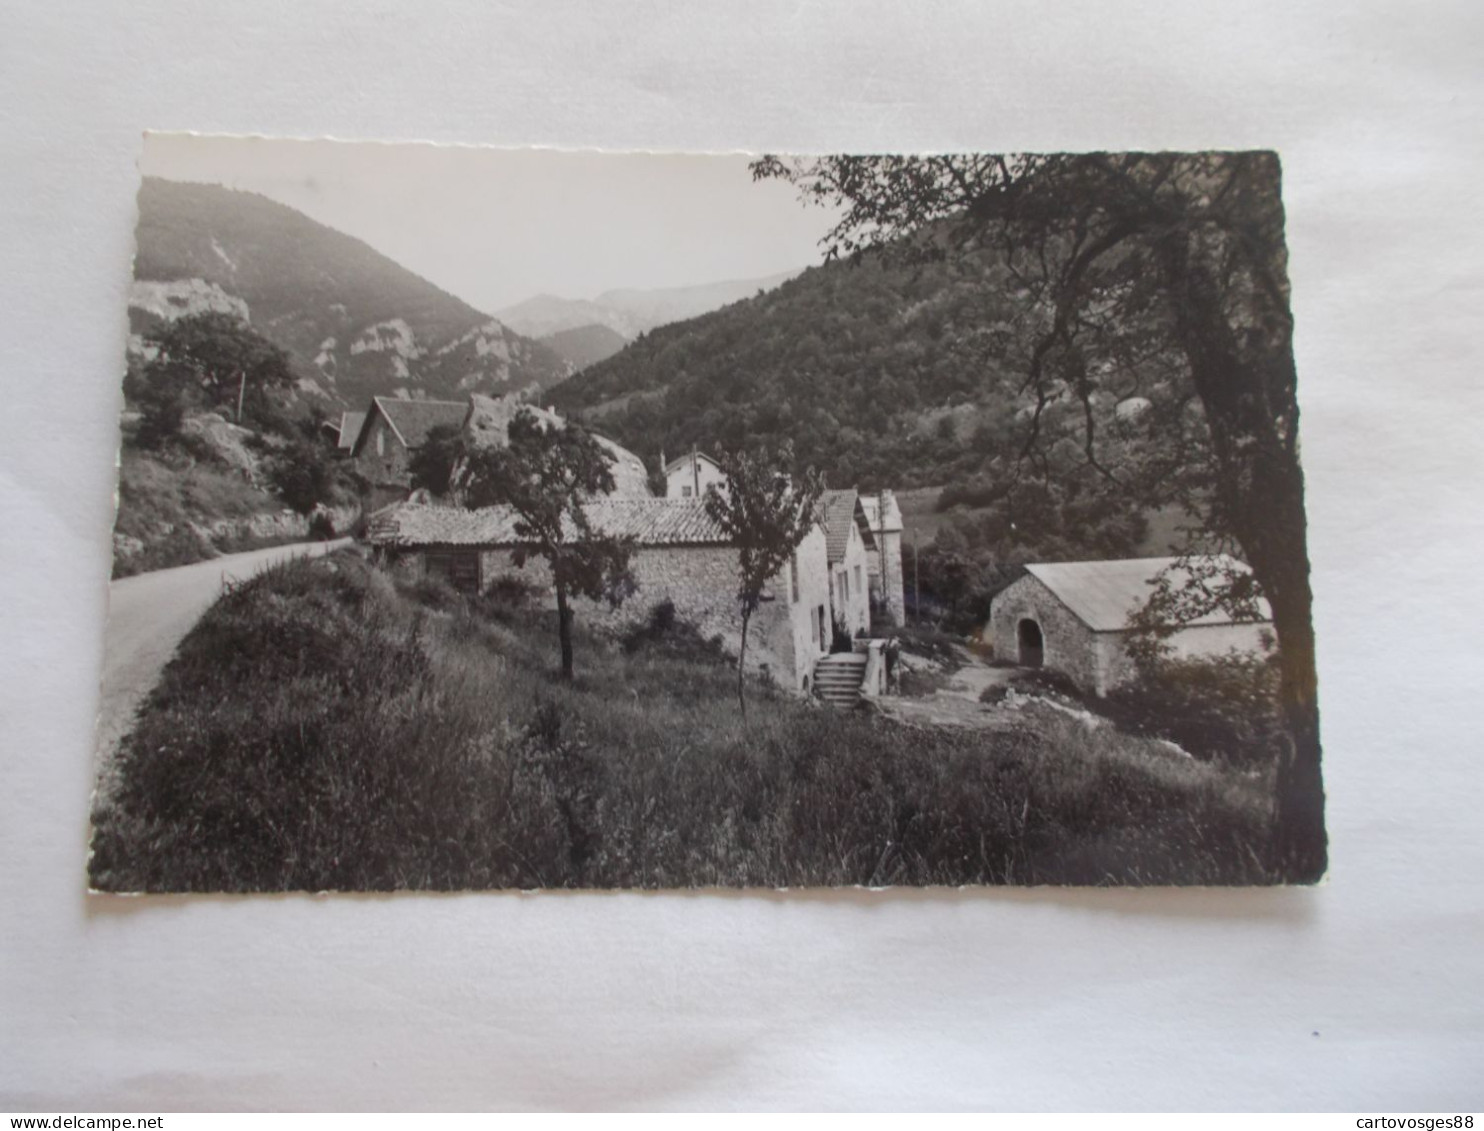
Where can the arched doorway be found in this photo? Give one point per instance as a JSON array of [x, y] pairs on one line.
[[1032, 647]]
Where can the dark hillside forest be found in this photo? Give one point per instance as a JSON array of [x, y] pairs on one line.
[[889, 374]]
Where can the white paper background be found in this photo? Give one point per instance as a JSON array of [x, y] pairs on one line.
[[1366, 993]]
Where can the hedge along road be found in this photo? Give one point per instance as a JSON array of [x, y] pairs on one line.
[[148, 616]]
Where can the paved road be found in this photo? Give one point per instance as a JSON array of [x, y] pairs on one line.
[[148, 615]]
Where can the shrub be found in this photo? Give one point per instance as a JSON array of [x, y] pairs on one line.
[[1217, 708], [840, 638], [321, 527]]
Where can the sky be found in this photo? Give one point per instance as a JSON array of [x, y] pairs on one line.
[[496, 226]]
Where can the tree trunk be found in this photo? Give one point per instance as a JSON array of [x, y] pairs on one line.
[[564, 629], [742, 668], [1248, 391]]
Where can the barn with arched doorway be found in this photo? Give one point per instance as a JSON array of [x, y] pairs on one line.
[[1074, 617]]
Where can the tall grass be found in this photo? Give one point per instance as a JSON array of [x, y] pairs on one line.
[[322, 729]]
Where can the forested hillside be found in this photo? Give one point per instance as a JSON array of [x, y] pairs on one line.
[[905, 376]]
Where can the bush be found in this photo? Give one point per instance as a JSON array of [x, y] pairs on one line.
[[663, 633], [321, 527], [840, 638], [1222, 708]]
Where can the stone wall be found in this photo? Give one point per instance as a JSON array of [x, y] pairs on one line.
[[701, 582], [1099, 661], [383, 458], [1069, 645]]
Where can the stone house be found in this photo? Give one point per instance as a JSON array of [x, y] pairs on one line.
[[1074, 617], [690, 475], [681, 556], [884, 552], [847, 536], [391, 431]]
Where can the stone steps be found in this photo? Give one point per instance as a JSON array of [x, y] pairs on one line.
[[837, 679]]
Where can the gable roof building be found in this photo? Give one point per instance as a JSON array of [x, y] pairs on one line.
[[682, 556], [409, 421], [846, 539], [689, 475], [1078, 617]]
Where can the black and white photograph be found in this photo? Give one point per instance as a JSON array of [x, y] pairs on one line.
[[530, 518]]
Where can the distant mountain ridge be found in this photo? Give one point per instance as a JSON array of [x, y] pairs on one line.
[[585, 345], [631, 312], [355, 323]]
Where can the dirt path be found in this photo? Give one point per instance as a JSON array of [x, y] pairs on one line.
[[148, 615], [957, 703]]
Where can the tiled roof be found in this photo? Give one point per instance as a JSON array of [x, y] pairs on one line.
[[413, 420], [870, 500], [838, 513], [1103, 595], [650, 522], [350, 428]]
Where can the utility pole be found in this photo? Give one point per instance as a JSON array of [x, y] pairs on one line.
[[695, 468], [241, 392]]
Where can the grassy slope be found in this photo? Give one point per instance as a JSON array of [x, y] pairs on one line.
[[151, 494], [320, 729]]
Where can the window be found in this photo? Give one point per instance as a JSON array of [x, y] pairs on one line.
[[685, 492], [460, 568], [793, 573], [858, 579], [381, 441], [844, 588]]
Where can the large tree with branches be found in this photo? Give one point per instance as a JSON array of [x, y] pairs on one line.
[[1128, 265]]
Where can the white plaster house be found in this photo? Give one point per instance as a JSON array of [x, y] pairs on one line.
[[1074, 617], [847, 536], [884, 552], [690, 475]]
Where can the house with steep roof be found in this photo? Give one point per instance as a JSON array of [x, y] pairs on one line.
[[681, 556], [690, 475], [847, 535], [1078, 617], [392, 430]]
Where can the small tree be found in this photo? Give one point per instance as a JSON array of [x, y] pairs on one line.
[[215, 360], [432, 464], [767, 516], [545, 475], [302, 476]]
